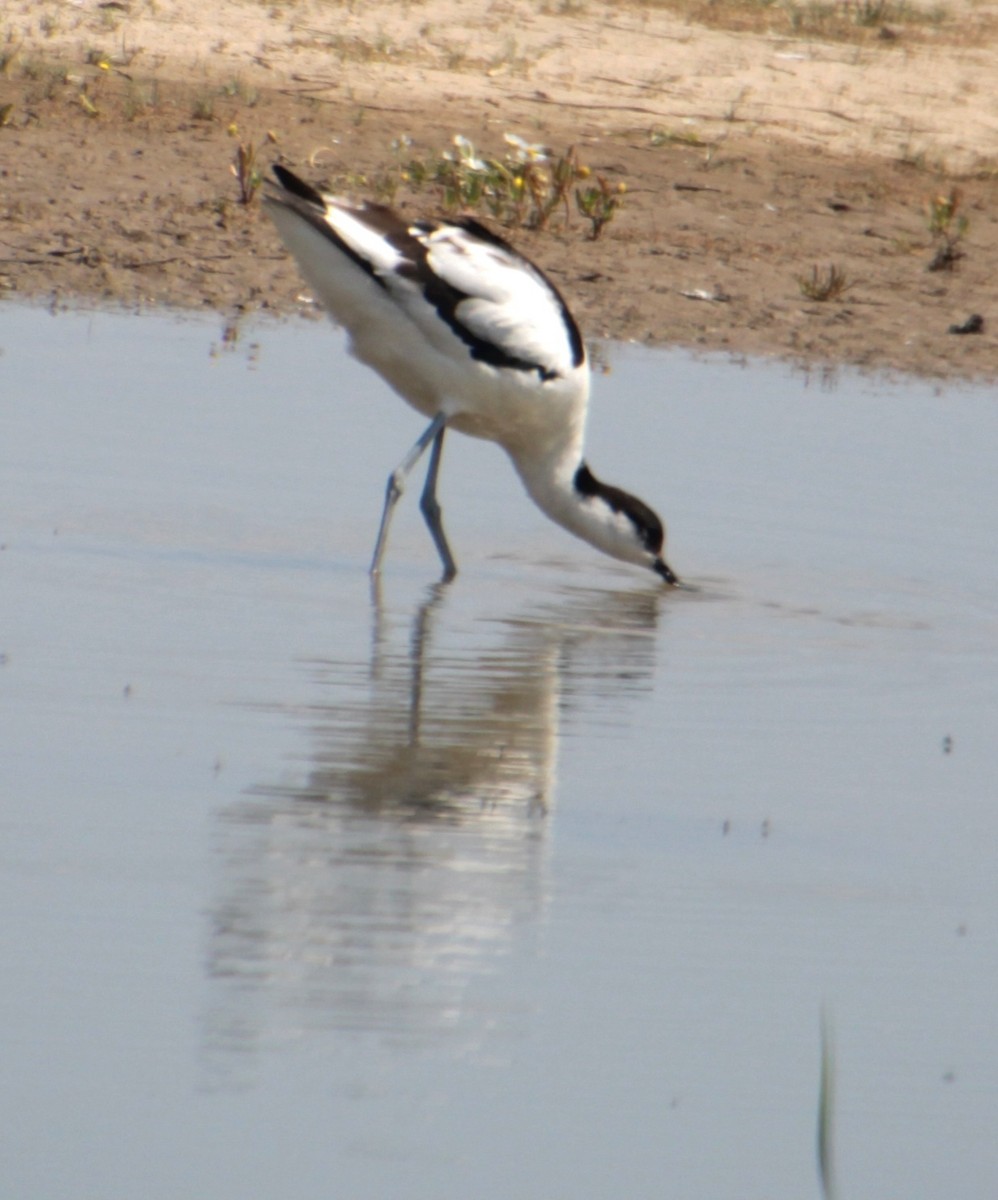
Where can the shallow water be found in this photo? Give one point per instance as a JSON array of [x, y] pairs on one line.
[[533, 886]]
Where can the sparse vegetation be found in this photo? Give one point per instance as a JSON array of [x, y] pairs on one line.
[[8, 52], [835, 20], [245, 168], [48, 25], [947, 225], [85, 102], [599, 204], [824, 284], [526, 186], [659, 136], [236, 89], [109, 18], [247, 173], [139, 98], [203, 106]]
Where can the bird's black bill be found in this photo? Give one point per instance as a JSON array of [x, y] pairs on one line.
[[668, 574]]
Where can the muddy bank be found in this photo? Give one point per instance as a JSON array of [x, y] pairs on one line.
[[117, 144]]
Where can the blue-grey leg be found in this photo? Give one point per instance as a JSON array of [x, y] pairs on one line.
[[396, 486], [430, 507]]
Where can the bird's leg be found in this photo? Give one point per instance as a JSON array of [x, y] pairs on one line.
[[396, 484], [430, 507]]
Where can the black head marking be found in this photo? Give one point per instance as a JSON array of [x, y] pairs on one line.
[[646, 523]]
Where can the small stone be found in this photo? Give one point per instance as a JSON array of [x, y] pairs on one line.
[[973, 324]]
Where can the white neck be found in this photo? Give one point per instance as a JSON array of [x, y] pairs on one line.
[[552, 483]]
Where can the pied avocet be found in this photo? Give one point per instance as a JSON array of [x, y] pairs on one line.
[[476, 338]]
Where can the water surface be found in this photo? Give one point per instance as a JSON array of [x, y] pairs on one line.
[[535, 885]]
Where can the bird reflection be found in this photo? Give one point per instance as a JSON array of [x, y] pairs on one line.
[[373, 892]]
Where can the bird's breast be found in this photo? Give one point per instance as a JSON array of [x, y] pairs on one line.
[[513, 407]]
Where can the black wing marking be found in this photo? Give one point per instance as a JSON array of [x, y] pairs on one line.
[[466, 272]]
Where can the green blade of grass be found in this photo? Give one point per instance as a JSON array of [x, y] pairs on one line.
[[826, 1111]]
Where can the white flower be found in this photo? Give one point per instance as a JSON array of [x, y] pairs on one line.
[[466, 154], [526, 151]]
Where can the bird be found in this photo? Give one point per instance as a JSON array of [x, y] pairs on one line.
[[474, 337]]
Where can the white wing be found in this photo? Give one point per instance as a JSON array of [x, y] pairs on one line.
[[500, 305], [469, 292]]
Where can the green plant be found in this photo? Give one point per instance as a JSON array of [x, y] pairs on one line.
[[203, 106], [245, 167], [822, 285], [236, 89], [139, 98], [947, 225], [87, 104], [826, 1111], [109, 18], [599, 204], [659, 136], [526, 186], [248, 175], [8, 53]]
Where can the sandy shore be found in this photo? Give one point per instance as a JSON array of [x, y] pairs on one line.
[[757, 152]]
